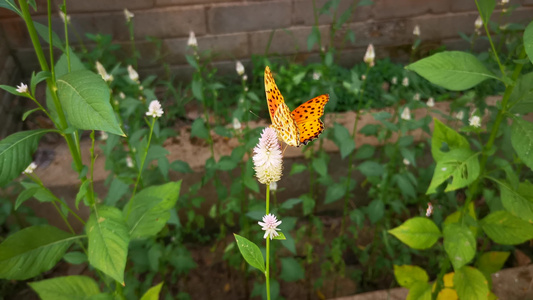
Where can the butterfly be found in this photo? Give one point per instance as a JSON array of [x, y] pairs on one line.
[[300, 126]]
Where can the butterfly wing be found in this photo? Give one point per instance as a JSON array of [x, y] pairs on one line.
[[274, 97], [307, 118]]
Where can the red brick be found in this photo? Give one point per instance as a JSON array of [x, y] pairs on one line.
[[74, 6], [387, 9], [228, 18], [303, 13], [190, 2]]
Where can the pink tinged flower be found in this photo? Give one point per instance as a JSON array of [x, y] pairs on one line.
[[30, 168], [474, 121], [154, 110], [128, 15], [192, 40], [267, 157], [22, 88], [269, 225], [370, 55], [134, 76], [429, 210], [239, 67]]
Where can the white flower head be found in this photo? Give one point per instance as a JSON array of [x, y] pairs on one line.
[[244, 77], [406, 114], [236, 124], [63, 17], [268, 157], [101, 70], [316, 75], [431, 102], [270, 226], [134, 76], [479, 22], [406, 162], [103, 135], [273, 186], [192, 40], [505, 2], [405, 81], [460, 115], [416, 97], [416, 31], [429, 210], [394, 80], [370, 55], [128, 15], [239, 67], [363, 77], [474, 121], [154, 110], [30, 168], [22, 88], [129, 162], [122, 95]]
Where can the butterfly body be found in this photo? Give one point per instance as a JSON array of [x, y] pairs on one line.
[[300, 126]]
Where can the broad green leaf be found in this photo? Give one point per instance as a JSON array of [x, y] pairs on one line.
[[407, 275], [335, 192], [371, 168], [117, 189], [291, 270], [66, 288], [504, 228], [420, 291], [492, 261], [375, 210], [470, 220], [61, 67], [522, 140], [148, 211], [462, 165], [417, 233], [42, 30], [521, 99], [181, 166], [290, 203], [16, 153], [528, 41], [486, 7], [35, 79], [518, 202], [85, 99], [343, 140], [251, 253], [33, 250], [25, 195], [198, 129], [365, 151], [460, 244], [453, 70], [226, 164], [153, 292], [75, 257], [321, 166], [196, 86], [405, 185], [443, 134], [108, 241], [470, 284]]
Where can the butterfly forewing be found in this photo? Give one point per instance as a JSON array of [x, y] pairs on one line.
[[274, 97]]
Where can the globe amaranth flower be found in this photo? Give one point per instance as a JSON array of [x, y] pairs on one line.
[[267, 157], [128, 15], [431, 102], [239, 67], [270, 226], [474, 121], [30, 168], [406, 114], [416, 31], [22, 88], [394, 80], [134, 76], [192, 40], [370, 55], [101, 70], [154, 110], [405, 81], [429, 210], [65, 18]]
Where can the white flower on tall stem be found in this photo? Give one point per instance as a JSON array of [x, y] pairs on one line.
[[65, 18], [406, 114], [30, 168], [405, 81], [416, 97], [316, 75], [505, 2], [244, 77], [236, 124], [128, 15], [268, 157], [416, 31], [394, 80], [101, 70], [22, 88], [239, 67], [192, 40], [154, 110], [474, 121], [370, 55], [129, 162], [478, 24], [431, 102], [406, 162], [122, 95], [134, 76], [270, 226]]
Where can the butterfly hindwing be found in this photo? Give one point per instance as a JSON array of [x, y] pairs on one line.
[[307, 118]]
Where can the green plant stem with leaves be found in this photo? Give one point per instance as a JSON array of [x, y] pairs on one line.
[[143, 160]]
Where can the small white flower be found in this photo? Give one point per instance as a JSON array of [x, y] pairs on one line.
[[134, 76], [155, 110], [370, 55], [122, 95], [241, 100], [270, 225], [141, 87], [128, 15], [244, 77], [460, 115], [30, 168], [363, 77], [273, 186], [101, 70], [406, 162], [405, 81], [239, 67], [267, 157], [103, 135], [316, 75], [236, 124], [416, 97], [22, 88], [429, 210], [129, 162], [192, 40], [406, 114], [479, 22], [505, 2], [246, 89], [431, 102], [63, 17], [394, 80], [416, 31], [475, 121]]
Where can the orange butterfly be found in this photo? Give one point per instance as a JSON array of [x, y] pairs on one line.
[[300, 126]]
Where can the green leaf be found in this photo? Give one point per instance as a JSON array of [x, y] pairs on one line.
[[33, 250], [108, 241], [504, 228], [117, 189], [251, 253], [418, 233], [12, 90], [290, 203], [518, 202], [371, 168], [486, 7], [42, 30], [462, 165], [291, 270], [522, 140], [365, 151], [66, 288], [470, 284], [453, 70], [460, 244], [226, 164], [335, 192], [297, 168], [313, 38], [198, 129], [521, 99], [61, 67], [196, 86], [343, 140], [320, 165], [528, 41], [280, 236], [375, 210], [407, 276], [405, 185], [25, 195], [16, 153], [35, 79], [85, 98], [492, 261], [153, 292], [10, 4], [443, 134], [308, 204], [149, 211], [75, 257], [420, 291], [82, 192], [29, 112], [181, 166]]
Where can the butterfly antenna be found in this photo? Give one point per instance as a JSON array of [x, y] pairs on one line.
[[254, 114], [286, 146]]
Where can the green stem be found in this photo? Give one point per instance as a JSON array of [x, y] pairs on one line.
[[485, 25], [67, 47], [132, 40], [267, 272]]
